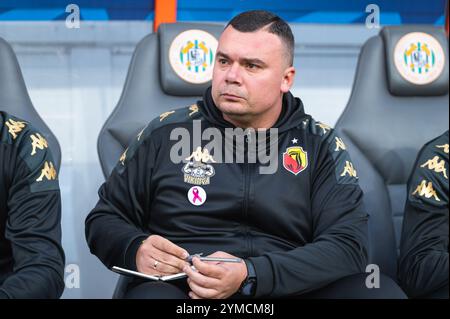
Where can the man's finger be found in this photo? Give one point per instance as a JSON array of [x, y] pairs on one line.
[[167, 246], [162, 267], [149, 269], [202, 292], [166, 258], [207, 269], [200, 279], [192, 295]]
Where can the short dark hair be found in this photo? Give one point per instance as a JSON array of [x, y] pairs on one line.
[[255, 20]]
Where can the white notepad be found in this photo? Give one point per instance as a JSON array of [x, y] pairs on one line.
[[128, 272]]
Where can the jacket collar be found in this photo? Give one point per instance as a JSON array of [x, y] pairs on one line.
[[291, 115]]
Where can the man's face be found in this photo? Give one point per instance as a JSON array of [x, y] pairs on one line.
[[249, 75]]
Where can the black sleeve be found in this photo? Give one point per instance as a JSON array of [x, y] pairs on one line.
[[3, 295], [423, 266], [34, 225], [116, 226], [339, 246]]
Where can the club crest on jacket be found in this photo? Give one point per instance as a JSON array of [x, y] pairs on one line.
[[197, 171], [295, 159]]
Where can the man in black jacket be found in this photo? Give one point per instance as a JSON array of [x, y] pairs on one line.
[[31, 256], [423, 267], [295, 217]]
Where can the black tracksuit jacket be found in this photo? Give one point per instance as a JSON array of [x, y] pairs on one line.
[[423, 266], [31, 256], [302, 227]]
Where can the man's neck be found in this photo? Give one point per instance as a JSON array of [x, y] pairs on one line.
[[265, 120]]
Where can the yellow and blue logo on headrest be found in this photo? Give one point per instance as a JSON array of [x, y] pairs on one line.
[[419, 58], [191, 55]]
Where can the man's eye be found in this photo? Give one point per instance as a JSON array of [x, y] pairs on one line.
[[222, 61], [252, 66]]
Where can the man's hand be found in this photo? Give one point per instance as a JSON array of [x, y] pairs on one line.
[[159, 256], [215, 280]]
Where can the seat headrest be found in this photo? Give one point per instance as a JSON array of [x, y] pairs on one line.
[[15, 100], [187, 52], [416, 60]]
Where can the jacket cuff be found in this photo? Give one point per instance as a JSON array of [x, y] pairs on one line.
[[3, 294], [130, 253], [264, 276]]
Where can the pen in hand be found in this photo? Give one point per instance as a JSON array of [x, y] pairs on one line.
[[219, 259]]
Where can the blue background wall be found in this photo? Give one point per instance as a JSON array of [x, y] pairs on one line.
[[307, 11]]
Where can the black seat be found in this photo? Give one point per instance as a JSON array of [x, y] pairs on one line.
[[15, 100], [389, 116], [153, 86]]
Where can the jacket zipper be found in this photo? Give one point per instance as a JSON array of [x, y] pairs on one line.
[[247, 195]]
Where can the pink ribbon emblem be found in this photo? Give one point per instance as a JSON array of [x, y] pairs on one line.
[[196, 195]]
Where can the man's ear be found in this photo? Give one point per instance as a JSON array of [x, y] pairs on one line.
[[288, 79]]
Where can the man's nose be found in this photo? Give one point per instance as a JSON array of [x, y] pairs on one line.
[[233, 74]]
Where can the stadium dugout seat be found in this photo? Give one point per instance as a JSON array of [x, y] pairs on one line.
[[153, 87], [399, 101], [169, 69], [15, 100]]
